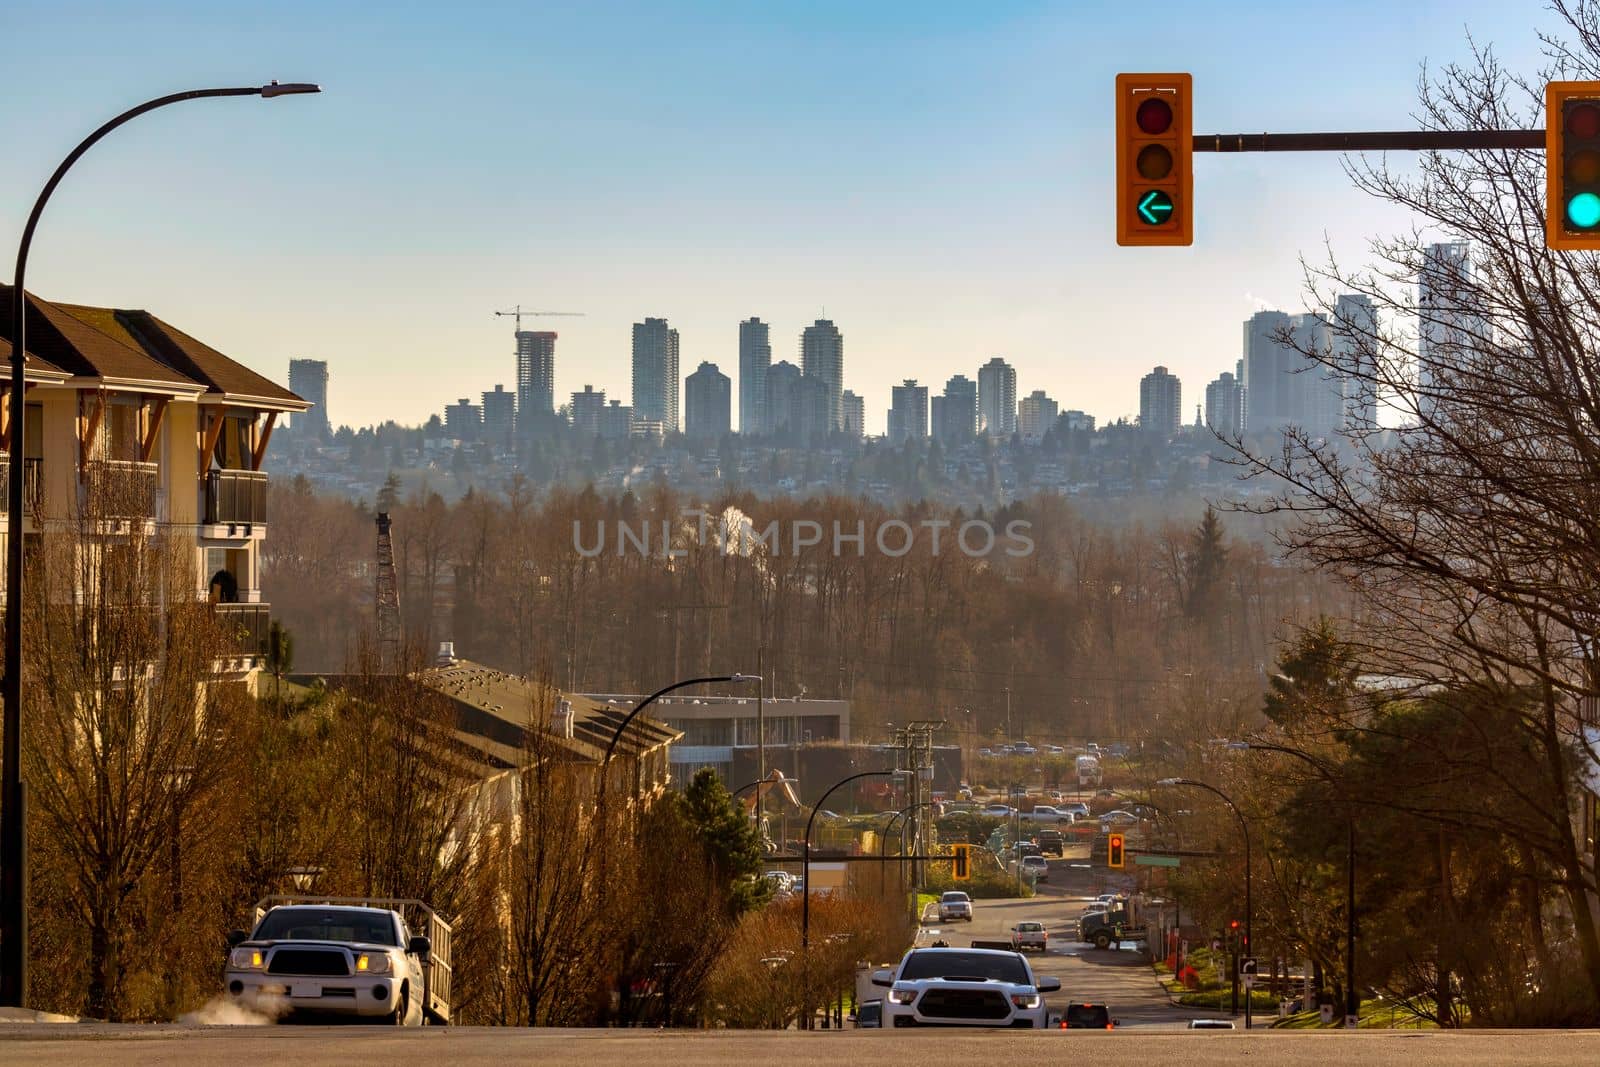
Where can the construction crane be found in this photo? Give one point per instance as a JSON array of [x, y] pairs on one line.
[[517, 314]]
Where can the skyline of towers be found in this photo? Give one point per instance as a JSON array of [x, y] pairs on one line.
[[655, 373]]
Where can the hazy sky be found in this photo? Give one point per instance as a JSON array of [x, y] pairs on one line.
[[937, 176]]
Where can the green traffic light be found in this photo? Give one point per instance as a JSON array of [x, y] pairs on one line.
[[1583, 211]]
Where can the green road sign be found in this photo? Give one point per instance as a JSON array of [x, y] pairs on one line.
[[1155, 861], [1155, 207]]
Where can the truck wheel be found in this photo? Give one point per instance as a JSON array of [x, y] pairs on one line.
[[1102, 940], [402, 1006]]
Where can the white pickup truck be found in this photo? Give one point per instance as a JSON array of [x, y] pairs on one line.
[[343, 956], [964, 987], [1046, 815]]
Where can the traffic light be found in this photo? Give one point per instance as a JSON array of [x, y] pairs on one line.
[[1155, 152], [961, 867], [1114, 852], [1572, 164]]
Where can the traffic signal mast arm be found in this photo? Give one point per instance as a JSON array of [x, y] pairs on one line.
[[1373, 141]]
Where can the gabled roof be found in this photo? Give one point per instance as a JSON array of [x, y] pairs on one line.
[[136, 347], [77, 344]]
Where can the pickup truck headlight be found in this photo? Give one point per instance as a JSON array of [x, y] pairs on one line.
[[247, 959], [1025, 1000], [902, 996], [374, 963]]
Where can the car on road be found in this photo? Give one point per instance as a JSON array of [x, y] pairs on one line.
[[997, 810], [1026, 935], [1121, 818], [869, 1015], [1087, 1017], [964, 987], [353, 961], [955, 905], [1052, 842], [1039, 866], [1210, 1024]]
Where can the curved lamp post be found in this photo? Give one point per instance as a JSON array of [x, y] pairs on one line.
[[1352, 1002], [805, 862], [1244, 829], [13, 828]]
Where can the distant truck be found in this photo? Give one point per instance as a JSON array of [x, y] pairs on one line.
[[1121, 920], [1047, 815], [357, 957], [1088, 772]]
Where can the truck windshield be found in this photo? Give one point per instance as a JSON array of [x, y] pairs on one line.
[[327, 924], [975, 966]]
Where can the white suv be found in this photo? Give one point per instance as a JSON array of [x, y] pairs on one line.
[[964, 987], [955, 905]]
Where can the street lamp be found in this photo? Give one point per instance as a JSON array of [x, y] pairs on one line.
[[13, 797], [1352, 1001], [651, 699], [1244, 829]]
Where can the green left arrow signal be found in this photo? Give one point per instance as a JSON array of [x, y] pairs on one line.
[[1155, 207]]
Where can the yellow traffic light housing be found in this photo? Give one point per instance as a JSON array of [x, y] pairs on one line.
[[961, 866], [1572, 165], [1115, 853], [1155, 154]]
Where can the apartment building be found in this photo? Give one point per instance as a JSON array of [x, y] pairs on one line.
[[181, 428]]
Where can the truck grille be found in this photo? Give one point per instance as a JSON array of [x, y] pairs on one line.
[[963, 1004], [315, 961]]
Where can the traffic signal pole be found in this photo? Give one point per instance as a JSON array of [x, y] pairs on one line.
[[1377, 141]]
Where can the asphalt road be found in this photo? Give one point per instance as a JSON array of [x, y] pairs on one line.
[[78, 1045], [1119, 978]]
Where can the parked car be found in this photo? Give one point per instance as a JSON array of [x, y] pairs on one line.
[[1038, 865], [1120, 818], [1022, 748], [1076, 808], [1026, 935], [869, 1015], [964, 987], [986, 753], [1052, 750], [1087, 1017], [955, 905], [997, 810]]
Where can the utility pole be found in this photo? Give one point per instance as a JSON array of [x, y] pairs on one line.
[[761, 732]]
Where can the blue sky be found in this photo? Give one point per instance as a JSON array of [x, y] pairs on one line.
[[936, 176]]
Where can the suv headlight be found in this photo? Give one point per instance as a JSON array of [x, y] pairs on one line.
[[1025, 1000], [247, 959], [374, 963], [902, 996]]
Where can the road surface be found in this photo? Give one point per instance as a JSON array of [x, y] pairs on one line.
[[1121, 979]]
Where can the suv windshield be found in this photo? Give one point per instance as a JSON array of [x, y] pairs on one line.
[[954, 898], [1029, 928], [326, 924], [973, 966]]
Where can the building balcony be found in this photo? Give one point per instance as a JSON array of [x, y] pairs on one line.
[[32, 485], [121, 488], [247, 624], [235, 497]]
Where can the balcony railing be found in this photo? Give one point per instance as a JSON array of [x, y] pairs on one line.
[[32, 485], [247, 624], [236, 496], [122, 488]]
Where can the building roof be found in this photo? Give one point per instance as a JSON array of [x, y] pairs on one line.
[[497, 709], [137, 348]]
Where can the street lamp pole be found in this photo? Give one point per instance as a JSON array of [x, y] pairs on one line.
[[805, 861], [1244, 829], [13, 796], [1352, 1002]]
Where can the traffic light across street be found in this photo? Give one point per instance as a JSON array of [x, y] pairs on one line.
[[1572, 165], [1115, 853], [1155, 173], [961, 865]]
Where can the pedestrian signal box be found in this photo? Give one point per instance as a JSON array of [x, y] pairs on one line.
[[1155, 171], [1115, 856], [961, 867]]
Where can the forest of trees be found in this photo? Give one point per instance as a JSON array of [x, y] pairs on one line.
[[1095, 632]]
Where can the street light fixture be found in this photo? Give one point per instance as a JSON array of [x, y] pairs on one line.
[[1352, 1000], [1244, 829], [13, 796]]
